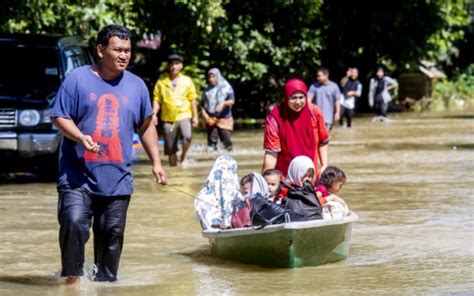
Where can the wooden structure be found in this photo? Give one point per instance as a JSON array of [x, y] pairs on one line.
[[417, 85]]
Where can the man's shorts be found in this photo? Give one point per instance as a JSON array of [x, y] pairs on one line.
[[174, 131]]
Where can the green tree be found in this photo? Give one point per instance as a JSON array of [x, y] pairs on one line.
[[81, 17], [260, 44], [396, 33]]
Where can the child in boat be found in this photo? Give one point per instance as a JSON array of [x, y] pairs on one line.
[[273, 178], [302, 170], [301, 196], [246, 184], [328, 185], [253, 184]]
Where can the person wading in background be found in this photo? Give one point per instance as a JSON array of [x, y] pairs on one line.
[[326, 95], [216, 108], [379, 93], [351, 90], [175, 96]]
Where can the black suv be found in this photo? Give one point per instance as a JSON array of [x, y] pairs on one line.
[[33, 67]]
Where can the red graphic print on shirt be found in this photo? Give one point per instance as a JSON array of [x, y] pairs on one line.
[[106, 133]]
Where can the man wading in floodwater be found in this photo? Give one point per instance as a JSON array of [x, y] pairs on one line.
[[97, 109]]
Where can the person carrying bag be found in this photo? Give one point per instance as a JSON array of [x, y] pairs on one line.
[[303, 203]]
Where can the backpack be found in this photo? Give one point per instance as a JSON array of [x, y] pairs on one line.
[[303, 202], [241, 215], [265, 212]]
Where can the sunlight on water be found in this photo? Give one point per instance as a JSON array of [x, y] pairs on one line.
[[409, 180]]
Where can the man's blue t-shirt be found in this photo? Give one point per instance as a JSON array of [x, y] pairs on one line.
[[325, 97], [110, 112]]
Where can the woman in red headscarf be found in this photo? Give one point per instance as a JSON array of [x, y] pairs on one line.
[[295, 127]]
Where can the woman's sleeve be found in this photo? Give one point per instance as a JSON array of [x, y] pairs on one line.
[[323, 133], [359, 90], [271, 140], [371, 92], [230, 96], [230, 93], [391, 81]]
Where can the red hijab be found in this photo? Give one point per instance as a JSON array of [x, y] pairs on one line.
[[295, 128]]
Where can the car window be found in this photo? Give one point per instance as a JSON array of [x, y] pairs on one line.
[[29, 72], [75, 57]]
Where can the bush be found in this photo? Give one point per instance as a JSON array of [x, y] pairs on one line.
[[457, 93]]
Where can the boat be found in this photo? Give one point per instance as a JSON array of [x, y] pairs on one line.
[[287, 245]]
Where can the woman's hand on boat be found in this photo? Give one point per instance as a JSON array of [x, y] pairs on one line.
[[160, 174]]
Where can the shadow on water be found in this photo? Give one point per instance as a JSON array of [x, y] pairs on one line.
[[203, 256], [23, 178], [33, 280], [85, 287], [419, 146], [460, 116]]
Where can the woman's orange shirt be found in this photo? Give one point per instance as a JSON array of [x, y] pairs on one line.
[[273, 140]]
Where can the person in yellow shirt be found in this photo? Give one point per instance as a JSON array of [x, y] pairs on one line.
[[175, 96]]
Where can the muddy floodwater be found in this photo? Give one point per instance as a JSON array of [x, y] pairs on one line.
[[409, 180]]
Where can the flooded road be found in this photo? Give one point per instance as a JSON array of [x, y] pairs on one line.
[[410, 181]]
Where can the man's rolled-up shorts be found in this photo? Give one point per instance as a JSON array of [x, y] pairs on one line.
[[174, 131]]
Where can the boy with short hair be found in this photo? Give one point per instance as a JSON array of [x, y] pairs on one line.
[[273, 178]]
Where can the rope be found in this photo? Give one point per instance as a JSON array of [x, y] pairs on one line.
[[174, 187]]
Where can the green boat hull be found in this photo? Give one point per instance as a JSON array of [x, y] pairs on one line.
[[290, 245]]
